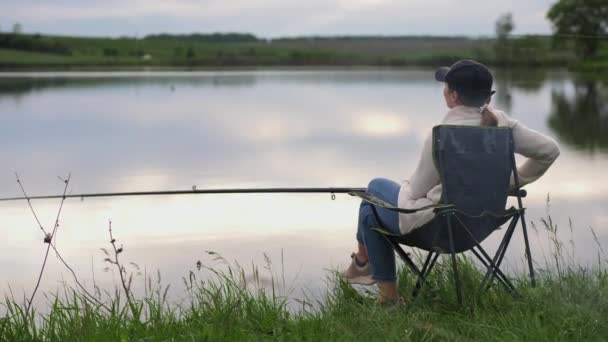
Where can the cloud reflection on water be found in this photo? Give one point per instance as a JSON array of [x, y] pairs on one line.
[[241, 129]]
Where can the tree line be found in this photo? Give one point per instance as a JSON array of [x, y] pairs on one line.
[[206, 38], [579, 26]]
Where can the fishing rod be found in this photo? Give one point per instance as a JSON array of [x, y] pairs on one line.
[[194, 191]]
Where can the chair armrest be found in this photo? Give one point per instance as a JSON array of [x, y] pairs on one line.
[[522, 193], [383, 204]]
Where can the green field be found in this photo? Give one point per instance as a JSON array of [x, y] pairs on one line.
[[41, 51]]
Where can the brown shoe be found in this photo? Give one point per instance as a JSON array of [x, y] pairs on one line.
[[356, 274]]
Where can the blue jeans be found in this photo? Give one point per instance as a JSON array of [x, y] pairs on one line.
[[381, 254]]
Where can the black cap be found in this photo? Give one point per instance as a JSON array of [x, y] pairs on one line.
[[467, 76]]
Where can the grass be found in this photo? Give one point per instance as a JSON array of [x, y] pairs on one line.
[[43, 51], [570, 302]]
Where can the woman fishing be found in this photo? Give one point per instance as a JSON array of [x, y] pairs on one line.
[[467, 94]]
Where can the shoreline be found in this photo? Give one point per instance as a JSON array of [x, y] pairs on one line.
[[278, 68], [47, 52]]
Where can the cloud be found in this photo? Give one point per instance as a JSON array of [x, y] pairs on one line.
[[272, 18], [381, 124]]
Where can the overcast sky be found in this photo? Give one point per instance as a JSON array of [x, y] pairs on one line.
[[272, 18]]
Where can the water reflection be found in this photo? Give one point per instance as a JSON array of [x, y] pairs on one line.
[[507, 81], [172, 130], [210, 134], [19, 84], [16, 84], [581, 117]]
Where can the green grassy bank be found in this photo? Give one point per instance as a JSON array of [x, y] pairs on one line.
[[43, 51], [569, 303], [569, 307]]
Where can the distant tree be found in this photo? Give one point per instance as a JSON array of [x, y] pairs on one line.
[[110, 52], [583, 20], [17, 28], [190, 52], [504, 26], [208, 38]]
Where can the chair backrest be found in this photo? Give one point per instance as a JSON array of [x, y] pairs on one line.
[[475, 165]]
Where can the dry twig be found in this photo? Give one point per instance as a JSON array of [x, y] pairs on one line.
[[48, 238]]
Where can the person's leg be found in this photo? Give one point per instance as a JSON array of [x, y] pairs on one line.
[[362, 256], [373, 246]]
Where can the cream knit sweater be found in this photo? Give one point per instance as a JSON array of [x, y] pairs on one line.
[[424, 187]]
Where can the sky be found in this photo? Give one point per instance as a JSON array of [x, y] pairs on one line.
[[273, 18]]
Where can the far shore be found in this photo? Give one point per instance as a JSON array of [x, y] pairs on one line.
[[36, 52]]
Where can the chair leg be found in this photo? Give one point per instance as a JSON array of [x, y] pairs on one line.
[[404, 256], [528, 253], [500, 253], [430, 261], [497, 272], [485, 264], [507, 239], [454, 266], [492, 265], [494, 272], [426, 270], [420, 274]]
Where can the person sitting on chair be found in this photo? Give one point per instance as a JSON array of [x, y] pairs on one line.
[[467, 94]]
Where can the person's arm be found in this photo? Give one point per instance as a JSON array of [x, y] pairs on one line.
[[540, 150], [425, 176]]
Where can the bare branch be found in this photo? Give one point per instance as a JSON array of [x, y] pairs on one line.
[[49, 240], [30, 204], [46, 239], [126, 284]]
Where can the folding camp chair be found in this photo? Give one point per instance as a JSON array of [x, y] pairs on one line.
[[475, 165]]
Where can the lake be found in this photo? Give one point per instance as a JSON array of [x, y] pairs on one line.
[[161, 130]]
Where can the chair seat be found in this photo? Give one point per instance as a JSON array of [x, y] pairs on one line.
[[433, 236]]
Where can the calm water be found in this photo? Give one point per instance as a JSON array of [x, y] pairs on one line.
[[172, 130]]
